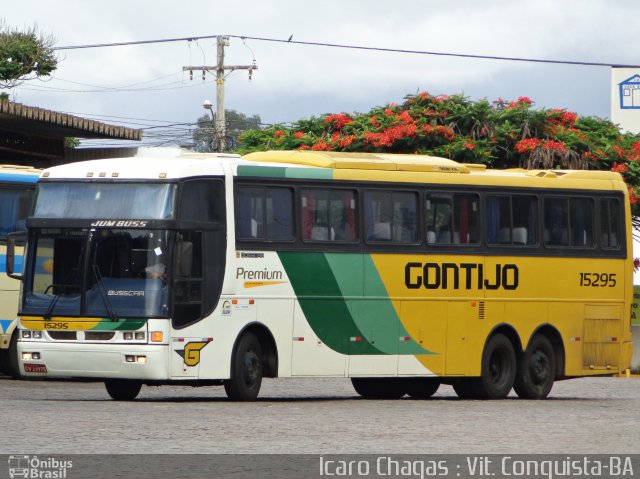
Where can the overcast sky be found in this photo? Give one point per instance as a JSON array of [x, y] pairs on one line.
[[142, 86]]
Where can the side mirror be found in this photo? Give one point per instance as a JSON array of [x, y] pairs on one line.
[[11, 252]]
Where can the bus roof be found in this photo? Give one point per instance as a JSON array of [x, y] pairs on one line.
[[148, 164], [167, 163], [19, 174], [426, 169]]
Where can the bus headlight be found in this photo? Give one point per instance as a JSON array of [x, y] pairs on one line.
[[26, 334]]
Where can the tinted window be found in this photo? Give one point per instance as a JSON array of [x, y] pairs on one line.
[[511, 220], [328, 215], [264, 213], [391, 216], [202, 200], [451, 218], [610, 235], [14, 209], [568, 222]]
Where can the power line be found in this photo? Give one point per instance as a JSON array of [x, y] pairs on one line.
[[351, 47]]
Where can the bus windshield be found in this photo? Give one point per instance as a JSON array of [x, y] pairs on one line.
[[14, 208], [108, 273], [105, 200]]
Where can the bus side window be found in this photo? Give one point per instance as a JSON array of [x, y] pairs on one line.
[[581, 222], [391, 216], [328, 215], [264, 213], [556, 224], [187, 279], [610, 223], [452, 218]]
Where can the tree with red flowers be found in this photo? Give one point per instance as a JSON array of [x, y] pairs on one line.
[[499, 134]]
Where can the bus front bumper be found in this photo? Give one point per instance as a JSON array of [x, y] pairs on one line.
[[122, 361]]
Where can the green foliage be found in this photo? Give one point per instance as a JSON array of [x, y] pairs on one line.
[[500, 134], [24, 55], [205, 138], [70, 142]]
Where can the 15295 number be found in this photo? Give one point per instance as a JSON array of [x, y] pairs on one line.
[[56, 326], [601, 280]]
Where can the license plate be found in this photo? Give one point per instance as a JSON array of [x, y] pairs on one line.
[[35, 368]]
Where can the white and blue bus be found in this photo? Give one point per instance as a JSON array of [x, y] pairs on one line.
[[17, 185]]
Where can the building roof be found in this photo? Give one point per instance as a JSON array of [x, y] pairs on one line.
[[16, 118]]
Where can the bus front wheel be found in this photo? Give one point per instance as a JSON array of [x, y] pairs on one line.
[[536, 369], [498, 372], [9, 357], [498, 368], [123, 389], [247, 369]]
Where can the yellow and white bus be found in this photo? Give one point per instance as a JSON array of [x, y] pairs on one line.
[[400, 272], [17, 184]]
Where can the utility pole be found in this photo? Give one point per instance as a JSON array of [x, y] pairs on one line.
[[220, 68]]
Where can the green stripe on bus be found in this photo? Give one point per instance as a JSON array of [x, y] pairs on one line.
[[123, 324], [374, 314], [263, 171], [344, 298], [285, 172], [323, 304]]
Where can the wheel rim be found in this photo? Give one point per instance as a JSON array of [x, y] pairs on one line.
[[252, 370], [539, 367], [499, 367]]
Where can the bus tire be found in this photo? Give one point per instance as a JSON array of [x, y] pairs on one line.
[[498, 368], [422, 388], [466, 388], [123, 389], [536, 369], [247, 369], [11, 365], [379, 388]]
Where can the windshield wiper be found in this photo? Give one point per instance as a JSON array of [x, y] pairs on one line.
[[48, 313], [103, 294]]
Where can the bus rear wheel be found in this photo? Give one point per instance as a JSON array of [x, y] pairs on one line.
[[536, 369], [498, 368], [123, 389], [246, 370], [379, 388], [422, 388]]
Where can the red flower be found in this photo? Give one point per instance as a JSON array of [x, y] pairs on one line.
[[553, 145], [618, 151], [321, 146], [525, 100], [619, 167], [278, 133], [339, 120], [527, 145], [298, 135], [346, 141], [469, 145]]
